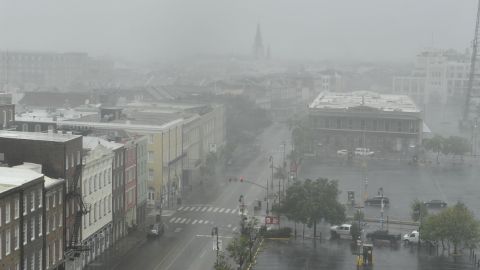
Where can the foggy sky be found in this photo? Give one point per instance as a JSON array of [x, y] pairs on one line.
[[376, 30]]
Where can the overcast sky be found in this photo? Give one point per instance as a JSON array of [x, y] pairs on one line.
[[296, 29]]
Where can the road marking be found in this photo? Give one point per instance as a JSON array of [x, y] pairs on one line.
[[183, 220], [234, 229], [172, 219], [188, 221], [203, 253], [177, 230], [180, 209], [194, 209], [186, 208], [194, 222], [178, 220], [210, 209], [215, 210], [221, 210], [176, 256], [200, 221], [228, 210], [209, 236], [203, 209], [229, 225]]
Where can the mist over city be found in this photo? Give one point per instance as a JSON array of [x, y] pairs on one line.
[[239, 135]]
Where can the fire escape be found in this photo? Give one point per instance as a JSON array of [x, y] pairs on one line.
[[74, 194]]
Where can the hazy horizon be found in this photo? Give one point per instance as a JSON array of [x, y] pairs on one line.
[[149, 30]]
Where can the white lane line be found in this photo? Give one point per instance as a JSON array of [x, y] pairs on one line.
[[221, 210], [210, 236], [210, 209], [215, 210], [180, 209], [203, 209], [172, 219], [194, 222], [228, 210]]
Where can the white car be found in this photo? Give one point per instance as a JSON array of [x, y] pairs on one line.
[[342, 152], [412, 237], [341, 231], [364, 152]]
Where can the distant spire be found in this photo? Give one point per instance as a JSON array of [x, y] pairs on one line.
[[268, 52], [258, 51]]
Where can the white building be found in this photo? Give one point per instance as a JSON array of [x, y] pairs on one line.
[[438, 77], [97, 192]]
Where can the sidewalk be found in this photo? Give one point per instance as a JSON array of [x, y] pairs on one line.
[[110, 257]]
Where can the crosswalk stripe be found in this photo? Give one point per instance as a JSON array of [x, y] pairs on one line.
[[215, 210], [229, 225], [172, 219], [178, 220], [188, 221], [180, 209], [228, 210], [234, 229], [193, 209], [210, 209], [186, 208], [234, 211], [200, 221], [194, 222], [183, 220], [221, 210], [203, 209]]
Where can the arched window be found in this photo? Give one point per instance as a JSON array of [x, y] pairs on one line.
[[38, 128]]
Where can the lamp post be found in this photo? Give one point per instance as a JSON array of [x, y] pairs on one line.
[[271, 166], [215, 233]]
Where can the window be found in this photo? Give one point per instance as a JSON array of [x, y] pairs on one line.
[[38, 128], [95, 212], [90, 185], [54, 199], [54, 224], [60, 219], [32, 228], [40, 225], [150, 138], [7, 213], [25, 233], [32, 202], [105, 206], [72, 161], [150, 174], [16, 237], [78, 157], [66, 162], [53, 252], [40, 257], [40, 198], [47, 201], [109, 203], [32, 262], [90, 218], [60, 197], [47, 256], [24, 127], [48, 225], [150, 156], [16, 207], [7, 241], [60, 252], [95, 183]]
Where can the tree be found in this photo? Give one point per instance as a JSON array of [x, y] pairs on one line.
[[435, 144], [238, 249], [455, 225], [419, 210], [222, 263], [457, 146], [313, 201]]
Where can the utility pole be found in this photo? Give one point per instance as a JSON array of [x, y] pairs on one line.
[[215, 233], [271, 166]]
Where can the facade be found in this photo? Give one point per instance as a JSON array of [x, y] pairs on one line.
[[130, 173], [142, 180], [21, 225], [438, 77], [54, 229], [365, 119], [97, 229], [61, 157]]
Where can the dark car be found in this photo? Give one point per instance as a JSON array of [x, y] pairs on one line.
[[377, 200], [436, 204], [156, 230], [383, 235]]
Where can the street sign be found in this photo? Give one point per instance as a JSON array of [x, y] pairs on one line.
[[219, 244], [272, 220]]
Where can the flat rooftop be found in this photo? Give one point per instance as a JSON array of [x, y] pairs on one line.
[[14, 177], [90, 142], [38, 136], [381, 102]]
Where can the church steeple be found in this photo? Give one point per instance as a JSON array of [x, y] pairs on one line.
[[258, 50]]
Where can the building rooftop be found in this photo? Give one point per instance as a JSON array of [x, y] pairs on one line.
[[14, 177], [38, 136], [380, 102], [51, 182], [44, 116], [90, 142]]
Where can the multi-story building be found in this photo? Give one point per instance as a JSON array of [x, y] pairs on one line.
[[7, 111], [365, 120], [97, 230], [438, 77], [142, 178], [61, 157], [130, 183], [21, 225], [54, 230]]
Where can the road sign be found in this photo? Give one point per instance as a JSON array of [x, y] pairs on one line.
[[272, 220], [219, 244]]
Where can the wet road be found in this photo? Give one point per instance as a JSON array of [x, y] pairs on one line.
[[337, 255], [187, 243]]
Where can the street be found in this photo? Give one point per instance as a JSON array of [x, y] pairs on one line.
[[187, 242]]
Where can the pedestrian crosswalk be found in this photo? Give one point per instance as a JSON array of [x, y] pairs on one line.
[[182, 220], [210, 209]]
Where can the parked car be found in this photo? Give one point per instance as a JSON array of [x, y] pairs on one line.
[[342, 153], [156, 230], [383, 235], [364, 152], [377, 200], [341, 231], [412, 237], [436, 204]]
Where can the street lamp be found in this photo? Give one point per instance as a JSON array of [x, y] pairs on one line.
[[215, 233], [271, 166]]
